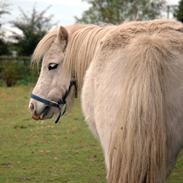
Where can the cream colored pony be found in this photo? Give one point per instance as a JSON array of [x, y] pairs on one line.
[[131, 82]]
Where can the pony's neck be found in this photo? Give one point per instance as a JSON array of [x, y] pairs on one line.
[[81, 49]]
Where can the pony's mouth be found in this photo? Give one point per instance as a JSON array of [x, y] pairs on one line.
[[47, 113]]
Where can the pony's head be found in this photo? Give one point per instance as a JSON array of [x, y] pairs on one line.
[[54, 84], [66, 54]]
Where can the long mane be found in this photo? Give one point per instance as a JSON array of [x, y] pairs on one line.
[[82, 48], [46, 42]]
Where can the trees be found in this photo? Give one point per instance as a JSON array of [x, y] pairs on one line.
[[33, 26], [4, 9], [179, 12], [3, 47], [116, 11]]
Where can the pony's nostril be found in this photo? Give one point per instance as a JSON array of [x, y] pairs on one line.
[[31, 107]]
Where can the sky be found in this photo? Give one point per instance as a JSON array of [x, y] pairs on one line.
[[63, 10], [174, 2]]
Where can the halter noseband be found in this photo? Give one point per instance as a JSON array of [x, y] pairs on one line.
[[60, 104]]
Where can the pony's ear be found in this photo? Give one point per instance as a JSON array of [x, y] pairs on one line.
[[63, 35]]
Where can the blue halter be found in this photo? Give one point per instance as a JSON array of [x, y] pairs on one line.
[[61, 104]]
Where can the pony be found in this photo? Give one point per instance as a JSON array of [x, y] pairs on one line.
[[130, 79]]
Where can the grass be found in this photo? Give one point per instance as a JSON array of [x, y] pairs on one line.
[[32, 152]]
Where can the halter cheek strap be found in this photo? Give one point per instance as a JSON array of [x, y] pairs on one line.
[[61, 104]]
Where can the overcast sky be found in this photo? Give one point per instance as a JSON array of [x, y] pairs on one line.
[[63, 10]]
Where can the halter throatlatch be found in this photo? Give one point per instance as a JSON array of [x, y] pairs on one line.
[[60, 105]]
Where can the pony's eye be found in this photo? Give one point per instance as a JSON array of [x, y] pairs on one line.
[[52, 66]]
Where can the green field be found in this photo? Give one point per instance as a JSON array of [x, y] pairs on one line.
[[42, 152]]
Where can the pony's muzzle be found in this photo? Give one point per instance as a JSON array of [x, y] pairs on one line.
[[32, 108], [39, 111]]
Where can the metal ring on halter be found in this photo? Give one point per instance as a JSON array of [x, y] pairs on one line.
[[61, 104]]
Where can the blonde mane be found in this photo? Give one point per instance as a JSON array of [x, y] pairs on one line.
[[82, 48]]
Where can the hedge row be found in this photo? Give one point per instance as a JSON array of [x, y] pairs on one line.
[[17, 70]]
